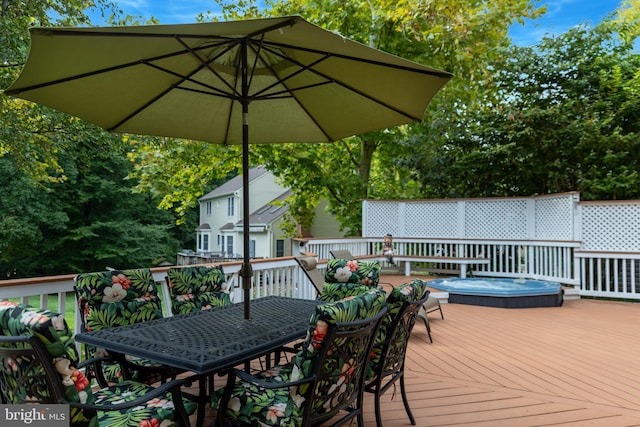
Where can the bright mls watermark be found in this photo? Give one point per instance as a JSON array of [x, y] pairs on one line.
[[35, 415]]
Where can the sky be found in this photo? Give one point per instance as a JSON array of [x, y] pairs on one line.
[[561, 15]]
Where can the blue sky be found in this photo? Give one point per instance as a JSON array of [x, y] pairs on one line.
[[561, 14]]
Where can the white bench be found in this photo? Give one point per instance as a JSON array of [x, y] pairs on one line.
[[463, 262]]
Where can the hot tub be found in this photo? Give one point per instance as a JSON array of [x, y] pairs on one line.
[[505, 293]]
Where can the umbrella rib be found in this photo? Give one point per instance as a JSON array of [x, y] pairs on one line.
[[338, 82], [145, 61], [183, 78], [302, 69], [435, 73], [207, 64], [257, 58], [216, 91]]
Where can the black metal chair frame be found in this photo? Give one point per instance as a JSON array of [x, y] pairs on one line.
[[337, 338], [30, 348], [391, 365], [432, 304]]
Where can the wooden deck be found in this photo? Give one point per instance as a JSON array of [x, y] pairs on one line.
[[575, 365]]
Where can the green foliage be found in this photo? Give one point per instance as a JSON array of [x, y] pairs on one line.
[[90, 222], [178, 172], [67, 202], [560, 116]]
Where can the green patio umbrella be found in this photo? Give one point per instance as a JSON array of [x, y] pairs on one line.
[[256, 81]]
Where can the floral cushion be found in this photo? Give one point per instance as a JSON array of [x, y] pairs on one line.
[[155, 412], [407, 292], [52, 330], [117, 298], [352, 271], [254, 405], [197, 288]]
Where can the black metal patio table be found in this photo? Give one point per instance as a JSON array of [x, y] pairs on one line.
[[209, 341]]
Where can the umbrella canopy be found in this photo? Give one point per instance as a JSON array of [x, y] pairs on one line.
[[268, 80]]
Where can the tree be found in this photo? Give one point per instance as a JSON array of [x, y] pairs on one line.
[[566, 119], [458, 36], [91, 221], [29, 131], [67, 205]]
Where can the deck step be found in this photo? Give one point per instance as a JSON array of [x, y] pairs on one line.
[[571, 294]]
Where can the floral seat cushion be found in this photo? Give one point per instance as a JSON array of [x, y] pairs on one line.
[[155, 412], [352, 271], [118, 298], [255, 405], [52, 330], [197, 288]]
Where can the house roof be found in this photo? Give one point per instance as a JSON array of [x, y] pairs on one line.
[[269, 212], [227, 226], [234, 184]]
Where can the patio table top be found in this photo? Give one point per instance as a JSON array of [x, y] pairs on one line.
[[210, 340]]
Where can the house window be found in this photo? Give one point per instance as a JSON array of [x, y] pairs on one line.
[[279, 248], [199, 242], [205, 243], [230, 207], [252, 248], [229, 250], [209, 208], [219, 241]]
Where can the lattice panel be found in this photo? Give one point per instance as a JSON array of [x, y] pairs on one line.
[[614, 227], [433, 219], [382, 218], [554, 218], [499, 219]]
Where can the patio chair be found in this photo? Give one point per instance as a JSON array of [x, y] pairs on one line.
[[41, 367], [315, 276], [116, 298], [432, 304], [390, 346], [196, 288], [325, 378]]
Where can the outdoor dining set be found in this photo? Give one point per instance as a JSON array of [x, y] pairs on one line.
[[293, 362]]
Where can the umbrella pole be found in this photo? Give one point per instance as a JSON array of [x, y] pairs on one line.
[[246, 272]]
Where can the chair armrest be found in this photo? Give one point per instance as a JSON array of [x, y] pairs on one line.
[[94, 361], [173, 386], [266, 384]]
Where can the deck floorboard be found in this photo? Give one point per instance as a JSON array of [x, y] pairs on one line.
[[569, 366]]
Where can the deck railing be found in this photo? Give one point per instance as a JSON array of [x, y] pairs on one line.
[[594, 274], [542, 260]]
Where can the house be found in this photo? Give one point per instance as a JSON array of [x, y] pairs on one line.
[[219, 234]]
